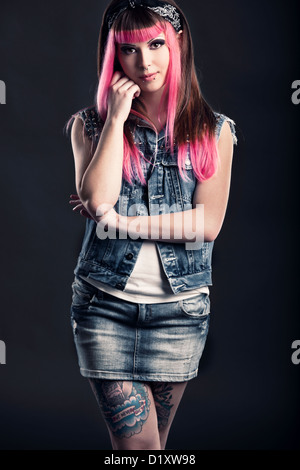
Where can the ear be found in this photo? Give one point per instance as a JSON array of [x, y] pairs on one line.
[[179, 35]]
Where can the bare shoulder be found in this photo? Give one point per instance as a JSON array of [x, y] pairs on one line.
[[226, 138], [77, 132], [81, 146], [225, 147], [77, 124]]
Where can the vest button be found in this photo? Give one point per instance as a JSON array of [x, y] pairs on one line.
[[129, 256], [119, 286]]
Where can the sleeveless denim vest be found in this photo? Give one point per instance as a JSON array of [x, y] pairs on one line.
[[112, 260]]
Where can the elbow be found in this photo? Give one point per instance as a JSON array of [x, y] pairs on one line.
[[210, 237], [96, 207], [211, 232], [96, 204], [208, 225]]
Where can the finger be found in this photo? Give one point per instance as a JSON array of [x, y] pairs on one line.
[[75, 201], [79, 206], [74, 196], [116, 77], [132, 88], [124, 81], [137, 93], [135, 90], [126, 85]]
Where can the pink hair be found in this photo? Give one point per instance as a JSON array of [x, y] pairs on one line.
[[203, 154]]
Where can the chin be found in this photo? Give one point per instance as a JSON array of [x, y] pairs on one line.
[[151, 86]]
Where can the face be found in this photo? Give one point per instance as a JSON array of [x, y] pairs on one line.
[[146, 63]]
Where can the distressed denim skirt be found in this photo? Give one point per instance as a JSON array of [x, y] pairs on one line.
[[120, 340]]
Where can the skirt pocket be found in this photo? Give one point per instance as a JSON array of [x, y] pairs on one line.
[[196, 307], [82, 293]]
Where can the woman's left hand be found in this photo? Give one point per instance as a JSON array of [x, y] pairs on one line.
[[78, 206]]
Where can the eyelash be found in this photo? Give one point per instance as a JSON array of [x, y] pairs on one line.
[[128, 50]]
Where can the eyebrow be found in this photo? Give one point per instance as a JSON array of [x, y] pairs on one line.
[[127, 44]]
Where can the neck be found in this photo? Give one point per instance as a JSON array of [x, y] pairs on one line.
[[152, 101]]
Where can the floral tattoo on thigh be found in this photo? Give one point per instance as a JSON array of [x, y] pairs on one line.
[[125, 406]]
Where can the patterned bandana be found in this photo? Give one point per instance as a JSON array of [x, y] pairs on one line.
[[165, 10]]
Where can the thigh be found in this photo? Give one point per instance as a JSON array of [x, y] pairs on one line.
[[167, 397], [129, 412]]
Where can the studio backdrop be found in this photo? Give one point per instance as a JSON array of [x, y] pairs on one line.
[[247, 393]]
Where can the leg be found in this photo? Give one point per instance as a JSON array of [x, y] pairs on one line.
[[129, 412], [167, 397]]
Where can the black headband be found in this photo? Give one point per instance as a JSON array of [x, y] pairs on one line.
[[165, 10]]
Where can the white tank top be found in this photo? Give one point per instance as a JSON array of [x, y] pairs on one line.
[[148, 283]]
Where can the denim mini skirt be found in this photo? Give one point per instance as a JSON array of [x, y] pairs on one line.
[[120, 340]]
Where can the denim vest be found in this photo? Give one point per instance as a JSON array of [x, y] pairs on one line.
[[112, 260]]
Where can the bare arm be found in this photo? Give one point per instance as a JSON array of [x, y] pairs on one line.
[[214, 193], [99, 177], [204, 221]]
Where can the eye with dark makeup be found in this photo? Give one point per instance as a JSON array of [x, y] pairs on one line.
[[127, 50], [155, 44]]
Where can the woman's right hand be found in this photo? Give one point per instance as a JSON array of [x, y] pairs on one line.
[[121, 93]]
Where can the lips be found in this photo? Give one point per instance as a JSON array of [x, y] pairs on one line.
[[149, 77]]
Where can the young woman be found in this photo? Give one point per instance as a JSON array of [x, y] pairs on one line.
[[153, 168]]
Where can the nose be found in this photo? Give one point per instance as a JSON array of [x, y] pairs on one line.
[[144, 61]]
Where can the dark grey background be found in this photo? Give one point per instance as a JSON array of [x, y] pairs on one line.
[[247, 392]]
